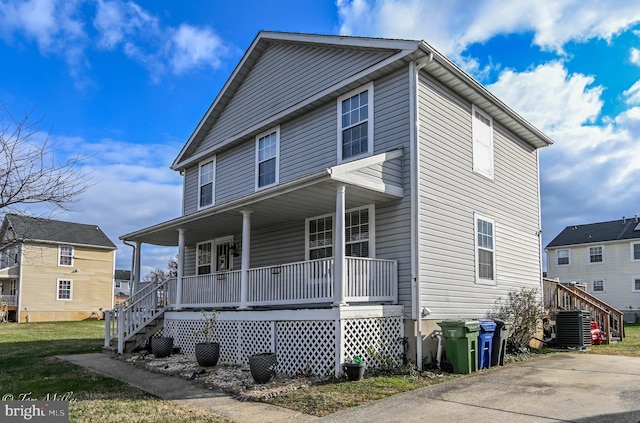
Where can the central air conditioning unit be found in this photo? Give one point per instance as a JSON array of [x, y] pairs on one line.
[[573, 328]]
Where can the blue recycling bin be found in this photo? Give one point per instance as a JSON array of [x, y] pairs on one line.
[[485, 342]]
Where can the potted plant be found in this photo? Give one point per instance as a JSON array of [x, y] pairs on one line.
[[207, 352], [263, 366], [162, 346], [355, 369]]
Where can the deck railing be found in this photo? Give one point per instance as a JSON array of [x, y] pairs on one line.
[[561, 297], [11, 300]]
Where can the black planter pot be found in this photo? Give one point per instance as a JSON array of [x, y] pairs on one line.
[[354, 371], [263, 367], [207, 354], [161, 346]]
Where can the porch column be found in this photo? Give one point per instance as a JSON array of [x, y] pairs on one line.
[[339, 273], [244, 268], [178, 304], [136, 270]]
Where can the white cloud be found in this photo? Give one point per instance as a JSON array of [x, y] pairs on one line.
[[118, 22], [451, 26], [191, 47], [634, 56], [633, 93]]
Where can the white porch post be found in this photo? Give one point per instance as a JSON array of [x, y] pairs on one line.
[[136, 270], [178, 304], [339, 274], [244, 268]]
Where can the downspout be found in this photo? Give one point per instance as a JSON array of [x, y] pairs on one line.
[[133, 260], [414, 71]]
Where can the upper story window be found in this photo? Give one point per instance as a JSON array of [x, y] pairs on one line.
[[596, 254], [482, 133], [355, 123], [267, 158], [485, 250], [635, 251], [563, 258], [206, 180], [65, 255]]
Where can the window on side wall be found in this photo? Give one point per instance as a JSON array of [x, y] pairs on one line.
[[206, 180], [563, 258], [598, 286], [355, 124], [635, 284], [65, 255], [204, 258], [485, 250], [635, 251], [596, 254], [267, 158], [482, 133], [64, 291]]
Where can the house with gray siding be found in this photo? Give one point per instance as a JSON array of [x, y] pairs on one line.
[[604, 257], [343, 193]]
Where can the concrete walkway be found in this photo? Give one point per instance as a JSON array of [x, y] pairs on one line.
[[186, 393], [566, 387]]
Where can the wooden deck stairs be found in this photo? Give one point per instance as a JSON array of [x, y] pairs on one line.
[[557, 296]]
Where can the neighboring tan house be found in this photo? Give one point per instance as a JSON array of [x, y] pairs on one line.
[[603, 256], [342, 193], [121, 286], [53, 270]]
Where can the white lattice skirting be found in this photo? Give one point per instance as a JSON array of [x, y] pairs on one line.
[[307, 341]]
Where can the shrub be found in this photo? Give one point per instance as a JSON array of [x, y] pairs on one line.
[[524, 310]]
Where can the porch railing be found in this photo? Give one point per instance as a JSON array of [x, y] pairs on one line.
[[11, 300]]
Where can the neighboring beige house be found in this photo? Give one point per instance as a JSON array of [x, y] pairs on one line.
[[603, 256], [52, 270]]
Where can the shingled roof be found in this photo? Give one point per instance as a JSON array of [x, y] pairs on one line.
[[615, 230], [27, 228]]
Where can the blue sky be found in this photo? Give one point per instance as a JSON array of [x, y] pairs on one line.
[[124, 84]]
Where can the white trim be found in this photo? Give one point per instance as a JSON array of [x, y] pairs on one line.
[[370, 98], [568, 250], [604, 286], [213, 183], [478, 279], [306, 232], [631, 244], [633, 283], [589, 254], [478, 143], [58, 289], [73, 251], [275, 130], [215, 242]]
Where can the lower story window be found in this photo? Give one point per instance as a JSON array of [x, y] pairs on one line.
[[64, 289], [485, 250], [320, 237], [598, 286], [358, 234], [636, 284], [204, 258]]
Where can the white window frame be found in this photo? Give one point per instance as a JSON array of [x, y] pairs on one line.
[[483, 149], [604, 286], [213, 183], [372, 231], [568, 250], [633, 283], [213, 259], [60, 255], [118, 284], [58, 281], [276, 156], [369, 88], [589, 254], [479, 280], [632, 245]]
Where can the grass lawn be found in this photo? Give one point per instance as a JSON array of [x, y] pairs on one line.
[[28, 366]]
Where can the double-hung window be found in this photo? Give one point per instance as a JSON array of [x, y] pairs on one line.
[[563, 258], [64, 289], [485, 250], [482, 133], [206, 180], [598, 286], [635, 284], [358, 228], [65, 255], [635, 251], [320, 237], [267, 158], [355, 123], [357, 233], [204, 258], [596, 254]]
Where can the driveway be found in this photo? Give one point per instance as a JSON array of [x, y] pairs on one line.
[[564, 387]]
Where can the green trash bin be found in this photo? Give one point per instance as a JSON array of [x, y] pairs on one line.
[[461, 341]]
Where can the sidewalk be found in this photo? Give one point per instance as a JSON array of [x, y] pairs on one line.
[[186, 393]]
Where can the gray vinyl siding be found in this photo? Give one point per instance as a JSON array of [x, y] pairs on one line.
[[283, 76], [190, 191], [451, 193]]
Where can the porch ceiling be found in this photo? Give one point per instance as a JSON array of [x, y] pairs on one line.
[[313, 196]]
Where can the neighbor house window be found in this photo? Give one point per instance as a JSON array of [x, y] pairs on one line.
[[118, 284], [320, 237], [563, 257], [206, 176], [482, 133], [355, 123], [485, 250], [635, 251], [635, 284], [596, 254], [597, 286], [65, 255], [267, 158], [204, 258], [64, 289]]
